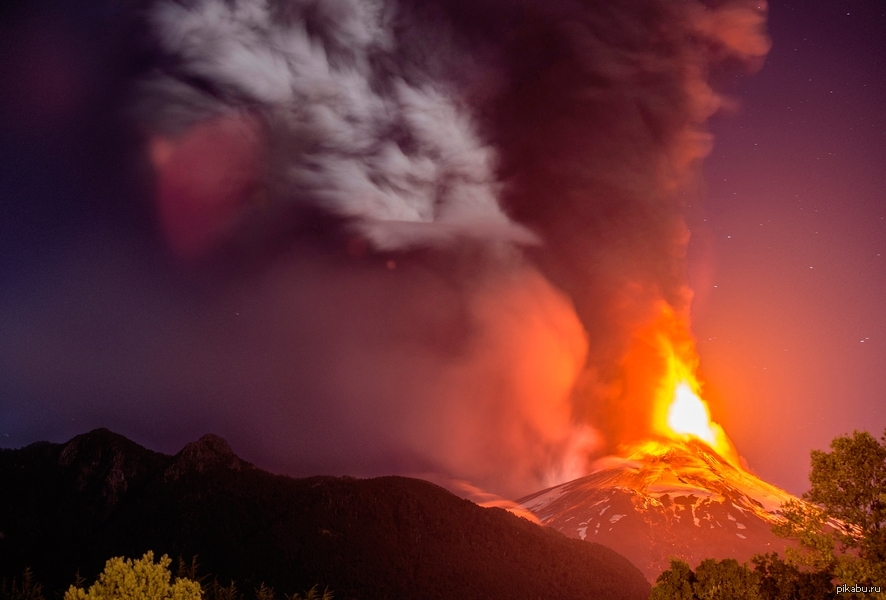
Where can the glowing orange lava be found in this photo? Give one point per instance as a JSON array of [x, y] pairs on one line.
[[688, 414], [680, 413], [684, 415]]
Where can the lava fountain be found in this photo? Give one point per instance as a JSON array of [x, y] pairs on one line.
[[661, 373], [688, 417], [688, 414], [675, 487]]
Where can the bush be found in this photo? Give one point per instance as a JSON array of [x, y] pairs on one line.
[[142, 579]]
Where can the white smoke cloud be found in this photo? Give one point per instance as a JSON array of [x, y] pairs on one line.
[[401, 160]]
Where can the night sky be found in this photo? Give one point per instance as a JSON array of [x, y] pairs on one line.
[[787, 263], [790, 269]]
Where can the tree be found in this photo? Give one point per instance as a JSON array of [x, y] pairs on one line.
[[781, 580], [142, 579], [842, 527], [216, 591], [675, 583], [808, 524], [850, 483], [27, 589], [725, 580], [264, 592], [713, 580], [312, 594]]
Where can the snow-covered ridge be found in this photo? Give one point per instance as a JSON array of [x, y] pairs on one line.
[[670, 499]]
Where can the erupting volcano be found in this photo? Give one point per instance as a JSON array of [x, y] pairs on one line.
[[391, 236], [681, 492]]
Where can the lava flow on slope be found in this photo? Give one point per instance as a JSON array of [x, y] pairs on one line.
[[666, 498], [681, 492]]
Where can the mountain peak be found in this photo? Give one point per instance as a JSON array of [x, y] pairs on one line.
[[95, 444], [208, 453], [659, 498], [105, 462], [210, 444]]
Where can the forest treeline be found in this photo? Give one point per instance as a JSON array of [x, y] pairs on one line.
[[146, 579]]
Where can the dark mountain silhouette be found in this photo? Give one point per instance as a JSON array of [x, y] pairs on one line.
[[71, 506]]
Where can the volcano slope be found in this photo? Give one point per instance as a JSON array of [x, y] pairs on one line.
[[664, 499], [71, 506]]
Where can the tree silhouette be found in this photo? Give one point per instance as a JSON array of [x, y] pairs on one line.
[[26, 589], [843, 530], [713, 580]]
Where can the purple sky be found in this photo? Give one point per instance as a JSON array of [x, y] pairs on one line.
[[790, 255]]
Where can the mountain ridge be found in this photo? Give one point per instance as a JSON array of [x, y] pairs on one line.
[[100, 495]]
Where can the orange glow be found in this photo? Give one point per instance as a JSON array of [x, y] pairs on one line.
[[679, 411], [688, 414]]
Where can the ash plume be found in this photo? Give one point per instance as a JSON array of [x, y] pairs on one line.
[[390, 148], [399, 236]]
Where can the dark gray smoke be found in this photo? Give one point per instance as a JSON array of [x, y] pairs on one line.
[[412, 237]]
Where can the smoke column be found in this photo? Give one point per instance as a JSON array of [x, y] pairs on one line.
[[418, 237]]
